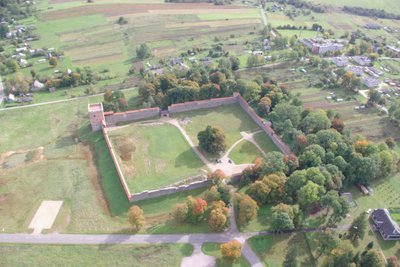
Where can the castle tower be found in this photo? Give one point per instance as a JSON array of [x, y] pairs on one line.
[[96, 115]]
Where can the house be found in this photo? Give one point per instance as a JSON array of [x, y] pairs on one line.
[[370, 82], [362, 60], [388, 228], [321, 46], [37, 86], [258, 53], [176, 61], [372, 26], [340, 61], [356, 70]]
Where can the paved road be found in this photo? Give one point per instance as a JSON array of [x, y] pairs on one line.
[[59, 101]]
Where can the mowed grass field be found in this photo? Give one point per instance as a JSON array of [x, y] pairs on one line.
[[391, 6], [272, 249], [94, 255], [154, 155], [245, 152]]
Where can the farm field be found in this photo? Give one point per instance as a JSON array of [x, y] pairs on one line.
[[272, 249], [89, 255], [213, 249], [390, 6], [153, 155]]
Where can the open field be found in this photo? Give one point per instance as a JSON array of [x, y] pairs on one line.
[[390, 6], [272, 249], [153, 155], [213, 249], [51, 165], [94, 255]]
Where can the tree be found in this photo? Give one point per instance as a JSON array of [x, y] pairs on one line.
[[315, 121], [235, 62], [372, 259], [374, 96], [281, 221], [136, 217], [180, 212], [212, 140], [274, 162], [309, 194], [270, 189], [325, 242], [218, 216], [393, 262], [264, 106], [358, 228], [341, 256], [339, 204], [53, 61], [231, 250], [212, 194], [217, 176], [338, 125], [12, 65], [143, 51], [291, 257], [247, 209], [196, 209]]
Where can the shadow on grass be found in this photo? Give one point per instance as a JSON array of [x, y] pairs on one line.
[[117, 238], [188, 159], [116, 199]]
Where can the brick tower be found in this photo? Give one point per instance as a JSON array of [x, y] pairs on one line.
[[96, 115]]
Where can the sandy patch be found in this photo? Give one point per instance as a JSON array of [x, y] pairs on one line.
[[45, 216]]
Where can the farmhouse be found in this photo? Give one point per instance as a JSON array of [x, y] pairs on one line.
[[388, 228], [340, 61], [370, 82], [362, 60], [321, 46]]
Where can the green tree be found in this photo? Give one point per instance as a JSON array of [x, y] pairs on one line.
[[212, 140], [281, 221], [372, 259], [12, 65], [316, 121], [291, 257], [143, 51], [309, 195], [325, 242], [53, 61], [358, 228]]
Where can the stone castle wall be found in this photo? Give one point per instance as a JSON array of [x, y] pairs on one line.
[[267, 129], [116, 164], [202, 104], [131, 115], [112, 118]]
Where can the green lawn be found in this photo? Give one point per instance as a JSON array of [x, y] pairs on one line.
[[272, 249], [230, 118], [245, 152], [94, 255], [213, 249], [153, 155], [262, 222], [266, 144]]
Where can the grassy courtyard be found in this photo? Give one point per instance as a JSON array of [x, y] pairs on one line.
[[245, 152], [213, 249], [94, 255], [154, 155]]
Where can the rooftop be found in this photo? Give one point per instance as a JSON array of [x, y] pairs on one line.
[[95, 107]]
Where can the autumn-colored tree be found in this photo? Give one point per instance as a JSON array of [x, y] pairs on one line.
[[338, 125], [108, 95], [264, 106], [199, 206], [218, 216], [361, 146], [180, 212], [231, 250], [247, 210], [301, 142], [270, 189], [136, 217], [281, 207], [217, 176]]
